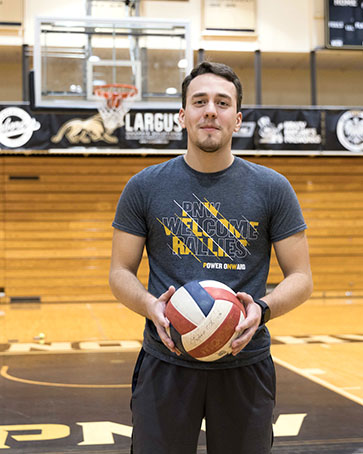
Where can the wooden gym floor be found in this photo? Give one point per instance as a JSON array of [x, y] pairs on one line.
[[66, 372]]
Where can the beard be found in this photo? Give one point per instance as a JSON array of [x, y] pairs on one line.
[[209, 145]]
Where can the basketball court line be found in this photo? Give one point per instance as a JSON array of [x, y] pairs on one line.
[[50, 348], [286, 425], [306, 374], [308, 419], [303, 372], [4, 373], [124, 346]]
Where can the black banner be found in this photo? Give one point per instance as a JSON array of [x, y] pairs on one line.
[[263, 129], [344, 24], [280, 129]]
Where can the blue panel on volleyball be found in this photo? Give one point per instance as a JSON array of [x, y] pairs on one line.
[[200, 296], [176, 338]]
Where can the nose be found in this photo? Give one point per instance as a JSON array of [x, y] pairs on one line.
[[210, 110]]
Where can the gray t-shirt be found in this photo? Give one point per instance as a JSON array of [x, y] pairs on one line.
[[209, 226]]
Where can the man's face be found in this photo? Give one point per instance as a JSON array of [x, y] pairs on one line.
[[210, 114]]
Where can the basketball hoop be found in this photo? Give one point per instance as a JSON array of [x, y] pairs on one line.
[[116, 102]]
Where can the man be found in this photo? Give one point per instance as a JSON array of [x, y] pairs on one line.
[[197, 214]]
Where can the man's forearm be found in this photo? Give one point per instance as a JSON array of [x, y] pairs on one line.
[[294, 290], [129, 291], [127, 288]]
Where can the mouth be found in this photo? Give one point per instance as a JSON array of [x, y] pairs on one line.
[[209, 128]]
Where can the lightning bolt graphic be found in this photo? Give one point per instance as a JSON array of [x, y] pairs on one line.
[[169, 232], [225, 222]]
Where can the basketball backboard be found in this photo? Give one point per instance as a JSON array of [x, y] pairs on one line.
[[73, 55]]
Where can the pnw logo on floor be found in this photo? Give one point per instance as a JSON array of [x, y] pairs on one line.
[[135, 345]]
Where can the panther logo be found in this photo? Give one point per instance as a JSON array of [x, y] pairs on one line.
[[85, 131]]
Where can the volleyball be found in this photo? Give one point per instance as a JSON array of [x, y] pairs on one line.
[[203, 316]]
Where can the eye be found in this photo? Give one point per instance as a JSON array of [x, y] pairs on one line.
[[224, 103]]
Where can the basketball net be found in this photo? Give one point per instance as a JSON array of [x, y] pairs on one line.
[[116, 101]]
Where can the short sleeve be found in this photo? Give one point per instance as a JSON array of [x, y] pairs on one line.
[[129, 215], [286, 217]]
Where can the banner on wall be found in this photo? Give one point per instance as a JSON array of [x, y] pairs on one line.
[[278, 129], [290, 130]]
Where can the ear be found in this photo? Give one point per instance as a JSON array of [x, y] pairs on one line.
[[238, 121], [182, 118]]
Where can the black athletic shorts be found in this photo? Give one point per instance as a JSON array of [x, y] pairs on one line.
[[169, 403]]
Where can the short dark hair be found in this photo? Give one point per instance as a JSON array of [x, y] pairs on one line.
[[219, 69]]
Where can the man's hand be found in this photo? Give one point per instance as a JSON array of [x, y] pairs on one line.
[[156, 313], [249, 325]]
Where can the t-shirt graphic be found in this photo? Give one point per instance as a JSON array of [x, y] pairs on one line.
[[200, 229]]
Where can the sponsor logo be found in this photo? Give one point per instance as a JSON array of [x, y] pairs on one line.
[[336, 42], [147, 128], [153, 128], [246, 130], [288, 132], [16, 127], [85, 131], [352, 3], [336, 24], [350, 130]]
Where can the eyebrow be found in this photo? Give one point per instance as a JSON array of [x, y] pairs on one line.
[[202, 93]]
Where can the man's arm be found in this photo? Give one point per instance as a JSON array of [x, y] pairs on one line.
[[293, 256], [126, 256]]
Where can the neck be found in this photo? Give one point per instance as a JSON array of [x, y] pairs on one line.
[[209, 162]]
